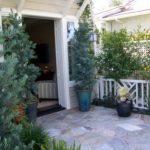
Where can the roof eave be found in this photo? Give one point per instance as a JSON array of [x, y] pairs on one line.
[[127, 15]]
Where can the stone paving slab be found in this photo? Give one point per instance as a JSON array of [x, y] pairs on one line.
[[99, 129]]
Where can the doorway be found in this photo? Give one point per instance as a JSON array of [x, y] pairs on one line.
[[41, 32]]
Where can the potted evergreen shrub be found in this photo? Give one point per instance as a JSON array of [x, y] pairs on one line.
[[83, 63], [124, 103], [16, 41]]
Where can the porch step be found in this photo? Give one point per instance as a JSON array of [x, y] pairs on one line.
[[49, 109], [47, 104]]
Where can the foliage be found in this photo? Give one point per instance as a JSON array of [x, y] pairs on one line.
[[17, 41], [140, 34], [123, 94], [20, 108], [36, 134], [106, 102], [61, 145], [10, 87], [87, 16], [120, 57], [83, 62], [116, 2], [143, 37]]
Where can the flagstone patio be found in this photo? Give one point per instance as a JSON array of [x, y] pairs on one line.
[[99, 129]]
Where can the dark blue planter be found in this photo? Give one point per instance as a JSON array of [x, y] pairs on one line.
[[124, 109], [31, 111], [84, 100]]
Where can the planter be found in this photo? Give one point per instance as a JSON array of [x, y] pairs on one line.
[[124, 109], [84, 100], [31, 111]]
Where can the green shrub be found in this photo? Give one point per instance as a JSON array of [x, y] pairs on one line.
[[16, 41], [10, 88], [61, 145], [120, 57], [36, 134], [83, 60]]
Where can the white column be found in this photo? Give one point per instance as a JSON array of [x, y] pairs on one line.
[[62, 62], [101, 87]]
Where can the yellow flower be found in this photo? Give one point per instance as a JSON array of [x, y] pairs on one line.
[[123, 91]]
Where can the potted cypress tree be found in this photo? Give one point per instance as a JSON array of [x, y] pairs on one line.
[[16, 41], [83, 64]]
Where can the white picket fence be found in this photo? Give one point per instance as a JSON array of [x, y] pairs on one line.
[[139, 90]]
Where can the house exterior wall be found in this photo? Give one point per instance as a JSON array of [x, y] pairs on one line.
[[61, 11], [130, 23], [73, 97]]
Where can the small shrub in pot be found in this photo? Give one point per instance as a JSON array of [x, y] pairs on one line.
[[124, 103]]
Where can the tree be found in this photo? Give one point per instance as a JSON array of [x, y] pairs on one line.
[[83, 62], [120, 57], [17, 41], [10, 87]]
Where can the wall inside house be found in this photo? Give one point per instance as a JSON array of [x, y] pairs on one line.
[[130, 23], [42, 31]]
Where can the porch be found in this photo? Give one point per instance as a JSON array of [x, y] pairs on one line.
[[99, 129]]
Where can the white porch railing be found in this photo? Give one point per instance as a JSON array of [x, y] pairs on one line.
[[139, 90]]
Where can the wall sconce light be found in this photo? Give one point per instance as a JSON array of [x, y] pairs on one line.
[[93, 37]]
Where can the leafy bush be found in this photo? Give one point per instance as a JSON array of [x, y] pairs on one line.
[[36, 134], [120, 57], [61, 145], [140, 34], [108, 101]]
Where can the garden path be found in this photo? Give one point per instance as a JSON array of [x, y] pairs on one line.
[[99, 129]]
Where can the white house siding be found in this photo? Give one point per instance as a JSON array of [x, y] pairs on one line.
[[130, 23], [73, 97]]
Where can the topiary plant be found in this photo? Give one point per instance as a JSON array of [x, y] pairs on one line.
[[83, 62], [10, 88], [16, 41]]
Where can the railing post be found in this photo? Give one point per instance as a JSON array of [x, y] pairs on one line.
[[101, 87], [97, 89]]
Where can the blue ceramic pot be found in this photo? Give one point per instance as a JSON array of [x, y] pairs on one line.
[[31, 112], [84, 100]]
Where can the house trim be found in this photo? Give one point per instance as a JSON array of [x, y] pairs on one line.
[[127, 15]]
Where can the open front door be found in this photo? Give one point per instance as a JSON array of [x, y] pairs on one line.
[[62, 62]]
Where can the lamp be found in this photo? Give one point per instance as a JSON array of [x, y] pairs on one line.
[[93, 37]]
